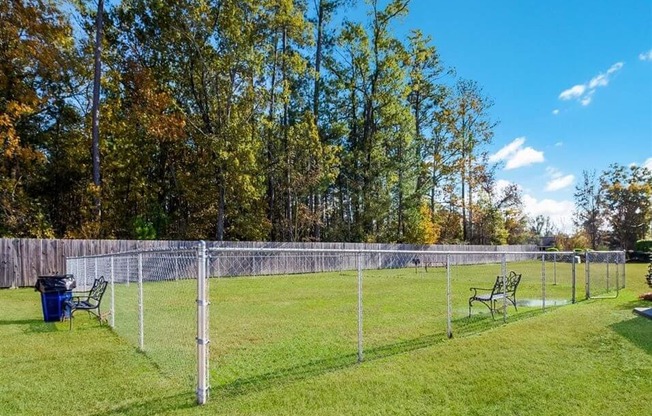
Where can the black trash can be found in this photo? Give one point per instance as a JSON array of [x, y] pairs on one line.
[[55, 290]]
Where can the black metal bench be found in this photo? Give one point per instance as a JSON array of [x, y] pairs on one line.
[[89, 302], [417, 263], [504, 289]]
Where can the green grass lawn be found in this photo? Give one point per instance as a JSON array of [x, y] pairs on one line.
[[288, 345]]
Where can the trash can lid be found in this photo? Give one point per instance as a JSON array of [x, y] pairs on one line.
[[62, 282]]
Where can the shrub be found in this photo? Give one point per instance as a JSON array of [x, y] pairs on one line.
[[643, 245]]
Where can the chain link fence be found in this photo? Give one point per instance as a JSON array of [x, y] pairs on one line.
[[281, 314], [150, 302]]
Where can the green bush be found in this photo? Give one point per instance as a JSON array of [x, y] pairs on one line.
[[643, 245]]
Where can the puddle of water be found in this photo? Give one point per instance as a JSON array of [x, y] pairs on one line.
[[537, 303]]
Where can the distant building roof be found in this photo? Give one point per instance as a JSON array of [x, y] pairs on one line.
[[547, 242]]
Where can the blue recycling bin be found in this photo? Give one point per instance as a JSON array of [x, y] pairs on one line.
[[55, 291]]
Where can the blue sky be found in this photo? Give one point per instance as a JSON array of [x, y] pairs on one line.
[[571, 81]]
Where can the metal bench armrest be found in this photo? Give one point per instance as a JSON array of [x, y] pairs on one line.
[[475, 290]]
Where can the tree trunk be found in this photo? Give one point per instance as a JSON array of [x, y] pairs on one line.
[[289, 232], [316, 198], [95, 113], [271, 195]]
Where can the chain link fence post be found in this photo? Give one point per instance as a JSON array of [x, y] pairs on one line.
[[360, 352], [573, 279], [141, 307], [503, 271], [609, 261], [449, 323], [587, 274], [543, 281], [623, 259], [202, 325], [112, 296], [554, 266]]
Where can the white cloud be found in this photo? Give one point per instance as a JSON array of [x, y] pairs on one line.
[[557, 179], [555, 111], [602, 80], [560, 182], [553, 172], [508, 150], [615, 67], [584, 92], [573, 92], [599, 81], [645, 56], [560, 212], [516, 155], [648, 163], [559, 144], [500, 186], [524, 157]]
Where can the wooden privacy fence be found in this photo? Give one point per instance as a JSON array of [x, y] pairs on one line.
[[23, 260]]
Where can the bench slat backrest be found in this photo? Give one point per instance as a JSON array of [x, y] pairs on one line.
[[97, 291], [509, 287]]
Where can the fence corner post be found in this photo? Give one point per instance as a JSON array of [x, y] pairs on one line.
[[573, 279], [202, 325], [543, 281], [503, 269], [449, 314], [141, 304], [587, 274], [112, 295], [360, 317]]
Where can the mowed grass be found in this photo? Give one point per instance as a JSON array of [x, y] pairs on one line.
[[288, 345]]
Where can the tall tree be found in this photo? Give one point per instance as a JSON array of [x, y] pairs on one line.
[[325, 10], [627, 203], [376, 171], [38, 82], [289, 105], [97, 78], [541, 226], [204, 59], [589, 207], [465, 116], [426, 93]]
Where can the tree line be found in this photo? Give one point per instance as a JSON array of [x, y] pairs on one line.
[[614, 209], [283, 120]]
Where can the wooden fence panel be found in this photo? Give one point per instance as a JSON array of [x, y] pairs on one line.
[[23, 260]]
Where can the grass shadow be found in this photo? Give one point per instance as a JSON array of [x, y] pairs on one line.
[[637, 330], [21, 321], [41, 327], [636, 303], [154, 406], [461, 327], [478, 323], [32, 325], [314, 368]]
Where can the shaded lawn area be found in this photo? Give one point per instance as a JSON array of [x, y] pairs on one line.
[[594, 357]]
